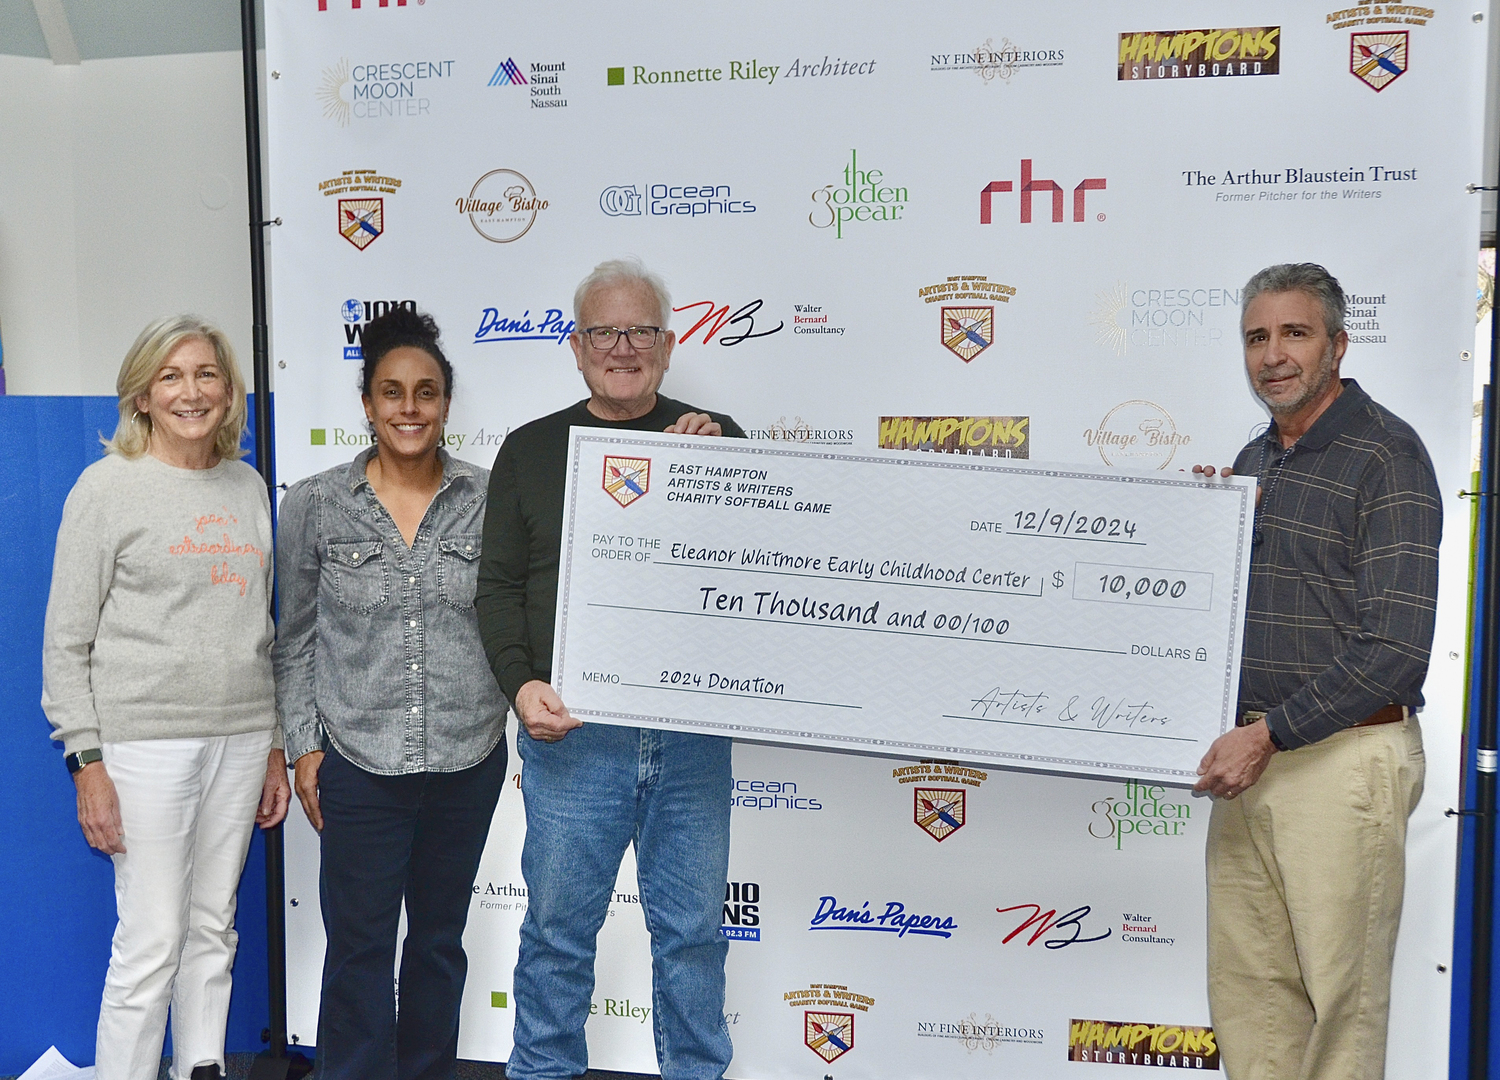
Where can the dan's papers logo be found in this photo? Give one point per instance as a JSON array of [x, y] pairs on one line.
[[626, 479]]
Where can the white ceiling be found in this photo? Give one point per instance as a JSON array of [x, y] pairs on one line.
[[103, 29]]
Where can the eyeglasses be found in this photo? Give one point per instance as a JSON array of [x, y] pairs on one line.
[[640, 338]]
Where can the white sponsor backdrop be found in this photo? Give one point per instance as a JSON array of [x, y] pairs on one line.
[[1118, 341]]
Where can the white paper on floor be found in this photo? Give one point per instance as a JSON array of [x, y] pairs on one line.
[[53, 1066]]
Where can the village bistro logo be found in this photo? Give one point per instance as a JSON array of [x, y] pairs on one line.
[[828, 1025], [1378, 59], [939, 812], [356, 315], [798, 430], [1030, 186], [1197, 54], [741, 911], [976, 1034], [626, 479], [862, 195], [361, 218], [1136, 434], [672, 200], [502, 205], [1142, 811], [1111, 1042], [1171, 317], [990, 61], [548, 325], [378, 91], [985, 436]]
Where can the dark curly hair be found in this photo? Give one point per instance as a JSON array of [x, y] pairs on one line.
[[397, 328]]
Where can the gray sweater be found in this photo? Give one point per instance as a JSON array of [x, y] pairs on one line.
[[158, 623]]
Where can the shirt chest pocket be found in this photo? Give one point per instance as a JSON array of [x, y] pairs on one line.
[[361, 580], [458, 570]]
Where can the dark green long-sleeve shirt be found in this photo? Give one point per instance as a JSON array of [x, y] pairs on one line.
[[517, 595]]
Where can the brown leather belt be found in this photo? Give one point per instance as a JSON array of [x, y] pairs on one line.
[[1386, 714]]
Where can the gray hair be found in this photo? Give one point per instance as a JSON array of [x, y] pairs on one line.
[[1309, 278], [629, 270]]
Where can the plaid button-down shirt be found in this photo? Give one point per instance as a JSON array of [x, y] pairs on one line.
[[1343, 574]]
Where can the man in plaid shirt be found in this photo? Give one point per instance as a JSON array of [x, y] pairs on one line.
[[1307, 838]]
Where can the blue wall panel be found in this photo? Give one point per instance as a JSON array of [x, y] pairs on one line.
[[56, 893]]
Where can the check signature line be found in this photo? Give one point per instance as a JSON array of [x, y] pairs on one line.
[[1089, 539], [865, 629], [753, 697], [841, 577], [1059, 727]]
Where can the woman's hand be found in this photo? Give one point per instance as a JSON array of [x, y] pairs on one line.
[[99, 809], [307, 786], [275, 793]]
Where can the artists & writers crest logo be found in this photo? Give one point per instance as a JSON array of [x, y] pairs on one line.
[[939, 812], [1378, 59], [361, 218], [967, 331], [830, 1035], [626, 479]]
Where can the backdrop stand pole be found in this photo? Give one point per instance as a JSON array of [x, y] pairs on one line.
[[273, 1063]]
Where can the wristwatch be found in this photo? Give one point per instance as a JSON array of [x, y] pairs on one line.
[[81, 758]]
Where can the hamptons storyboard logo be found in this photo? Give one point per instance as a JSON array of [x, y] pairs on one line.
[[356, 315], [828, 1017], [939, 794], [1172, 1046], [543, 84], [672, 200], [502, 205], [387, 91], [966, 330], [361, 203], [862, 195], [1149, 318], [549, 324], [741, 911], [1198, 54], [984, 436], [740, 72], [991, 62]]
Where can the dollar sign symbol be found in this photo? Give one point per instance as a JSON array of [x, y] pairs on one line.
[[1057, 579]]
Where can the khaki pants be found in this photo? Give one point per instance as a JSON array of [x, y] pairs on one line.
[[1305, 878]]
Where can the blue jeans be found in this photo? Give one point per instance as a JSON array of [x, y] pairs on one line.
[[416, 837], [588, 796]]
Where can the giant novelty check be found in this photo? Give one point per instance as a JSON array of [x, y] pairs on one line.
[[988, 610]]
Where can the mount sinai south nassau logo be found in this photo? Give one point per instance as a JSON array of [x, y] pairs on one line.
[[626, 479]]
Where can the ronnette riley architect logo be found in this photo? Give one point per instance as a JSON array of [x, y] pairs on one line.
[[626, 479], [502, 205], [862, 195], [828, 1017]]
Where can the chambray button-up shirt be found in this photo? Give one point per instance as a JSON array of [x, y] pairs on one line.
[[377, 648]]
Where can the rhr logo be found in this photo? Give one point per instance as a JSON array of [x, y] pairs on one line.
[[356, 4], [1030, 186]]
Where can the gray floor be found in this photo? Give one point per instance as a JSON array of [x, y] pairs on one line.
[[239, 1069]]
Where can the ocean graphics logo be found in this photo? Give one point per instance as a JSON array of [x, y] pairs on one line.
[[356, 315], [361, 219], [894, 919], [862, 195], [1378, 59], [828, 1017], [673, 200], [502, 205], [550, 325], [741, 911], [771, 795], [1143, 810], [1112, 1042], [379, 91], [507, 74], [939, 812], [985, 436], [1030, 186], [1136, 434], [1197, 54], [626, 479]]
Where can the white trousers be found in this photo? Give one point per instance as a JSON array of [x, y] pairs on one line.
[[188, 809]]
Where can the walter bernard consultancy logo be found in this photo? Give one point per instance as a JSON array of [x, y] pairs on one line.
[[361, 203], [672, 200], [828, 1012], [543, 81], [1170, 1046], [1149, 318], [966, 330], [1198, 54], [983, 436], [356, 315], [502, 205], [862, 195], [1136, 434], [939, 795], [390, 91]]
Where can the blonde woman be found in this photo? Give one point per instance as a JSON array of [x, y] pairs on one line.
[[156, 677]]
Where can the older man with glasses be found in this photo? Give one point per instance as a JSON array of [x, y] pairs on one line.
[[591, 791]]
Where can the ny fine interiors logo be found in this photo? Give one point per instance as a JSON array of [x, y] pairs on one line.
[[1199, 54], [828, 1011], [361, 203]]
